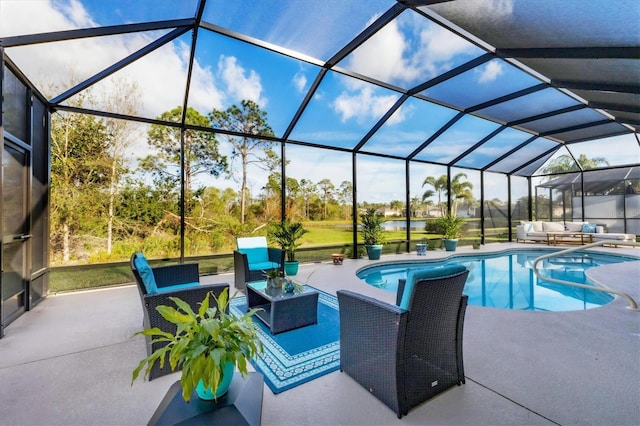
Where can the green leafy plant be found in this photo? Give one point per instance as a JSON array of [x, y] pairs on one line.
[[203, 342], [371, 227], [287, 235], [272, 273], [451, 226]]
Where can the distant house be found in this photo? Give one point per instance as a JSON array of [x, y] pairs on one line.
[[388, 211]]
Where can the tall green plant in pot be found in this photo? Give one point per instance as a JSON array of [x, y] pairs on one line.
[[451, 226], [287, 235], [207, 345], [372, 232]]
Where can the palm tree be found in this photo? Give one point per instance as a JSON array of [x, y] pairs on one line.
[[566, 163], [439, 187], [460, 190]]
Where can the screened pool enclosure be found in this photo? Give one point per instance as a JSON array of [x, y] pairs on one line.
[[174, 127]]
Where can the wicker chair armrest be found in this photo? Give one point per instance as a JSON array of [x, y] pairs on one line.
[[240, 270], [192, 295], [170, 275], [352, 299], [401, 284], [368, 320], [240, 259], [276, 255]]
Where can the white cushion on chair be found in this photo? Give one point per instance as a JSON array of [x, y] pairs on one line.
[[251, 242]]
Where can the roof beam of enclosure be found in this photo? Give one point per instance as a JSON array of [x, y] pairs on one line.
[[436, 135], [259, 43], [534, 159], [305, 102], [508, 97], [367, 33], [452, 73], [576, 127], [121, 64], [508, 153], [380, 122], [591, 52], [616, 107], [346, 50], [591, 138], [443, 77], [24, 40], [477, 145], [600, 86], [546, 115]]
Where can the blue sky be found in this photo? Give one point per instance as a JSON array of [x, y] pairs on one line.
[[407, 52]]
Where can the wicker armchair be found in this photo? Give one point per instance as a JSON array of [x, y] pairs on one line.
[[406, 356], [178, 276], [252, 258]]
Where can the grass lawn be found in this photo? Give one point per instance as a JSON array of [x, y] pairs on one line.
[[323, 239]]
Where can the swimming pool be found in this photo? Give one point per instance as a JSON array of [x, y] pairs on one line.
[[506, 280]]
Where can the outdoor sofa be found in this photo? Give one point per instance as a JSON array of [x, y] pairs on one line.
[[544, 231]]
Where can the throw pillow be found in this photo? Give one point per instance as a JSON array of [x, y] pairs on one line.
[[146, 273], [528, 227], [574, 226], [589, 227]]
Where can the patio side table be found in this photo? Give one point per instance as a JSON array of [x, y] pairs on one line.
[[241, 405]]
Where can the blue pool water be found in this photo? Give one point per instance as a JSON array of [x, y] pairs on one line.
[[507, 281]]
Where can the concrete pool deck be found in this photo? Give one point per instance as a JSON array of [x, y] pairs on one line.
[[69, 361]]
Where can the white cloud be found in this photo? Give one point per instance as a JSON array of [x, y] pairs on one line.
[[161, 75], [490, 72], [77, 13], [362, 105], [203, 94], [407, 51], [401, 114], [382, 56], [18, 17], [300, 82], [240, 83]]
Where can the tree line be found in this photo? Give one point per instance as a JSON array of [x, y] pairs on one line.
[[105, 204]]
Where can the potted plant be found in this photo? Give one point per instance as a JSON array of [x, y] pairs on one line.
[[287, 235], [273, 278], [208, 345], [451, 226], [372, 232]]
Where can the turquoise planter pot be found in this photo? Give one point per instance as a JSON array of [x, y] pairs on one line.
[[374, 251], [450, 245], [291, 268], [208, 394]]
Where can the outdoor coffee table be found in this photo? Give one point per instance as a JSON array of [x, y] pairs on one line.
[[282, 311], [568, 238]]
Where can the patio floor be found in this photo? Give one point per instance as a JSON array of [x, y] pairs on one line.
[[69, 361]]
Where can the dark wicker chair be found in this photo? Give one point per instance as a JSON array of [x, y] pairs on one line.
[[244, 272], [167, 276], [405, 356]]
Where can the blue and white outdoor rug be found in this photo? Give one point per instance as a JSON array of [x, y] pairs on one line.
[[301, 355]]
